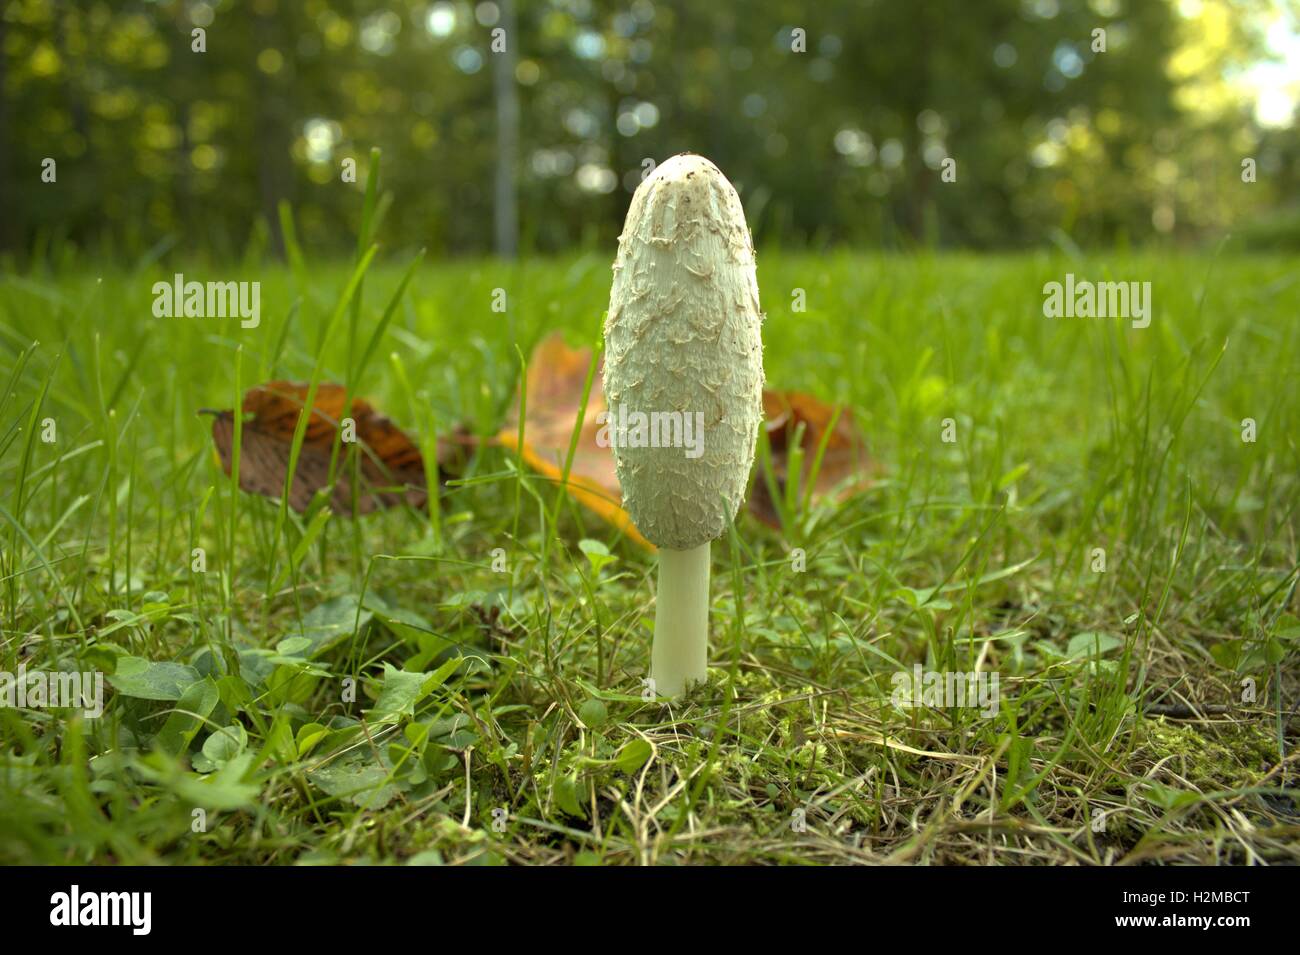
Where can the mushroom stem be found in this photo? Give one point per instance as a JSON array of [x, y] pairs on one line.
[[680, 655]]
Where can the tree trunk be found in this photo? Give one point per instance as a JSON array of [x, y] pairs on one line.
[[272, 146], [506, 204], [7, 199]]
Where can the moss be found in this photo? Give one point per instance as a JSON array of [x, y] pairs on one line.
[[1229, 755]]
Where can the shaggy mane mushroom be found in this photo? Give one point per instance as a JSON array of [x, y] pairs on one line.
[[684, 365]]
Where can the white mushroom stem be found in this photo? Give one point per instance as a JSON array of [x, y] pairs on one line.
[[680, 655]]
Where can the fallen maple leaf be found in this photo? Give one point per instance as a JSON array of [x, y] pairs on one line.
[[392, 470], [556, 376]]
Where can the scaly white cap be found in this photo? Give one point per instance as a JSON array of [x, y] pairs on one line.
[[683, 334]]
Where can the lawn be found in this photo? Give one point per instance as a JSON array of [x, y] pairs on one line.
[[1102, 516]]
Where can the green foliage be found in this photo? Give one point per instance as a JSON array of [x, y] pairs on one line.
[[167, 154]]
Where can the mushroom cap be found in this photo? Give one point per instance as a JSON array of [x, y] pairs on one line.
[[683, 334]]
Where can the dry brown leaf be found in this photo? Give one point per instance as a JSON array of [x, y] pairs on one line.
[[556, 375], [392, 471], [844, 468]]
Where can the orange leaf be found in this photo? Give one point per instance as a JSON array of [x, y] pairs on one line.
[[556, 375]]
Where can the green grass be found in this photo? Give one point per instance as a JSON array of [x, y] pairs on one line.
[[1071, 435]]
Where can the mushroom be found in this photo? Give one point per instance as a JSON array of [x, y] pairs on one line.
[[684, 386]]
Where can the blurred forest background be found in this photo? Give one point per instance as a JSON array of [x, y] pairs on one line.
[[537, 149]]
